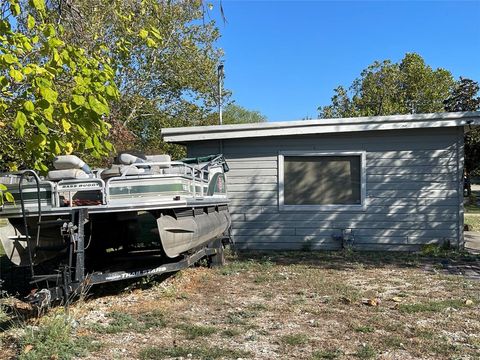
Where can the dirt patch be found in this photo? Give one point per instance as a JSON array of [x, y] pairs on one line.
[[290, 306]]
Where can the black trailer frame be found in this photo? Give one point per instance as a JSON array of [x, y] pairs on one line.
[[72, 280]]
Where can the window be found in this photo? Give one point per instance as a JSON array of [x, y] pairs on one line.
[[321, 180]]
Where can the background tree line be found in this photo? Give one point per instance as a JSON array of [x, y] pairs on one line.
[[410, 86]]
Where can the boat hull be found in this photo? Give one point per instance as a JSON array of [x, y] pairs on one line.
[[178, 235], [173, 231]]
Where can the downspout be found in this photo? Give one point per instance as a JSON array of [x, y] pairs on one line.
[[460, 169]]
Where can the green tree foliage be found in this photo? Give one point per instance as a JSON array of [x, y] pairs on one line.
[[53, 94], [165, 58], [385, 88], [465, 97], [235, 114]]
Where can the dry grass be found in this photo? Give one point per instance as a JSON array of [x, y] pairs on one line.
[[473, 221], [292, 306]]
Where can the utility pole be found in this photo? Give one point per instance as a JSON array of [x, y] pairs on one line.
[[220, 79]]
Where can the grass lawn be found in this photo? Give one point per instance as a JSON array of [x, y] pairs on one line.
[[471, 203], [276, 306], [473, 221]]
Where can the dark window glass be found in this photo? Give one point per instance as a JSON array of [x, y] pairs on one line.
[[322, 180]]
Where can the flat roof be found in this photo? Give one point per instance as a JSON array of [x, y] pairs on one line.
[[320, 126]]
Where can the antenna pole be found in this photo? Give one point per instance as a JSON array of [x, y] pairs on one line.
[[220, 78]]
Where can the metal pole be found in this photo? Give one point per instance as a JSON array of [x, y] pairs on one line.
[[220, 78]]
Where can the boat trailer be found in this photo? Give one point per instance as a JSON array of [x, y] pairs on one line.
[[71, 280]]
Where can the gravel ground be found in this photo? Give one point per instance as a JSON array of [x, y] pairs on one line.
[[285, 306]]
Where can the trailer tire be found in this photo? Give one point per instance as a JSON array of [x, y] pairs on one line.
[[219, 258]]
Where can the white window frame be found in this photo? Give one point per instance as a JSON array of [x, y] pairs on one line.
[[333, 207]]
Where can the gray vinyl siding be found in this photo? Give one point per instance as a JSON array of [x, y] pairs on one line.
[[414, 190]]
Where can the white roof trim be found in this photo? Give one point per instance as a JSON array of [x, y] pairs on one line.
[[320, 126]]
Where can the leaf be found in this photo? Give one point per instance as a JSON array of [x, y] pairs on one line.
[[89, 144], [66, 125], [68, 148], [15, 74], [156, 33], [97, 106], [3, 187], [56, 147], [111, 91], [39, 140], [82, 131], [9, 197], [49, 30], [28, 106], [48, 113], [15, 8], [30, 22], [19, 123], [43, 83], [9, 58], [27, 70], [54, 43], [151, 43], [42, 127], [49, 95], [143, 33], [38, 4], [78, 99]]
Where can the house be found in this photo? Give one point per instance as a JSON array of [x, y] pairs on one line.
[[383, 183]]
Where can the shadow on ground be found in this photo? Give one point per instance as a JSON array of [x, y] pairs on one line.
[[448, 262]]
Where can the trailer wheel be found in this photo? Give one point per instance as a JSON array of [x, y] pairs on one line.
[[219, 258]]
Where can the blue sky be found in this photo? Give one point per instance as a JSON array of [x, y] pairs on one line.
[[284, 58]]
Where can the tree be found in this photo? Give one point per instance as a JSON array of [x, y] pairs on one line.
[[235, 114], [465, 97], [165, 60], [385, 88], [53, 95]]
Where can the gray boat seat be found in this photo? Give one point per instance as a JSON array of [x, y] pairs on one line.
[[128, 159], [65, 162], [160, 159], [117, 170], [68, 167], [67, 174]]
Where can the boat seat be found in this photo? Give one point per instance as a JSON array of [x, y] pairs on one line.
[[160, 159], [66, 162], [128, 159], [67, 174], [117, 170], [68, 167]]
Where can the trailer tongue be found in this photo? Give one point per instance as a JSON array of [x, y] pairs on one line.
[[142, 216]]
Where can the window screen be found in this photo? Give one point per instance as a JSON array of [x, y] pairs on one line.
[[322, 180]]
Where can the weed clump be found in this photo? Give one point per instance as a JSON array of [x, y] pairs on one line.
[[294, 339], [54, 339], [198, 352], [194, 331], [432, 306]]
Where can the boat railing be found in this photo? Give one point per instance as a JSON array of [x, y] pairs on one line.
[[14, 180], [198, 177]]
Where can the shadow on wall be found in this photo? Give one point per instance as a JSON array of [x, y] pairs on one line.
[[412, 199]]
